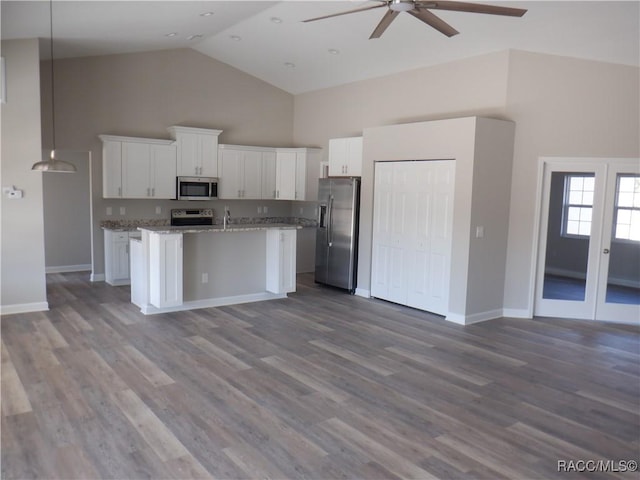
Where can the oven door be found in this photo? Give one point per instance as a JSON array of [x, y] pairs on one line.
[[194, 188]]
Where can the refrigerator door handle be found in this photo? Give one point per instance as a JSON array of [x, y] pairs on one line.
[[330, 221]]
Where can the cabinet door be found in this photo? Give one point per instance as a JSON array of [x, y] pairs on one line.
[[269, 175], [353, 159], [163, 171], [165, 270], [286, 175], [188, 147], [301, 176], [252, 187], [111, 169], [136, 167], [208, 155], [116, 257], [281, 261], [230, 171], [287, 261], [337, 157]]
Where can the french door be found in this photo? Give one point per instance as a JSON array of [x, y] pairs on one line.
[[589, 244]]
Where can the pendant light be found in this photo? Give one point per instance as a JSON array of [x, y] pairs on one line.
[[53, 164]]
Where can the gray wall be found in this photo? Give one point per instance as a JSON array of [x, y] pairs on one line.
[[561, 106], [142, 94], [67, 216], [22, 251]]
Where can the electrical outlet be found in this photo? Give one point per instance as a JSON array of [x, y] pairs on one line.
[[205, 278], [259, 209], [265, 209], [158, 210], [123, 211], [301, 210], [109, 211]]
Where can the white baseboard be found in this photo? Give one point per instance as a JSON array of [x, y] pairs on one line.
[[363, 292], [68, 268], [516, 313], [214, 302], [96, 277], [474, 318], [24, 308]]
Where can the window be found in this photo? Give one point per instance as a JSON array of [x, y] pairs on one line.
[[578, 205], [627, 209]]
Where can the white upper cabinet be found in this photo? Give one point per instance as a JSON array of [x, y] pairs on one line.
[[138, 167], [240, 172], [197, 151], [297, 173], [345, 157], [286, 163], [269, 175], [111, 167]]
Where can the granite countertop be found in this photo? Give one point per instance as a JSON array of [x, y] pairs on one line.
[[237, 225], [242, 227]]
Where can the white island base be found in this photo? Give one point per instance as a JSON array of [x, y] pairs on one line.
[[185, 268]]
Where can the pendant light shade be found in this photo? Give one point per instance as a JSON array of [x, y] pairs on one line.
[[53, 164]]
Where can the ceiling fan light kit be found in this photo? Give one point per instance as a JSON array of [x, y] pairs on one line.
[[421, 10]]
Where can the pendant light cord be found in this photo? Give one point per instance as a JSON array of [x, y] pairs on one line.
[[53, 103]]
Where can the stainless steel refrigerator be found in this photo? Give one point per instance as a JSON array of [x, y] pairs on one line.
[[337, 232]]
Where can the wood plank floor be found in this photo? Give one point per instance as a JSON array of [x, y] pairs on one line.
[[321, 385]]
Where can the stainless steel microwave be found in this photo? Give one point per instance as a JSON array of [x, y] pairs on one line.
[[196, 188]]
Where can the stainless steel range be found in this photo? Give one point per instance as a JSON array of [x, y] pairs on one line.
[[191, 216]]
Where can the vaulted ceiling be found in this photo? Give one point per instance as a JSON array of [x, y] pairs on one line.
[[269, 40]]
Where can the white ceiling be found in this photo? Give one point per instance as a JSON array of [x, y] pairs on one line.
[[598, 30]]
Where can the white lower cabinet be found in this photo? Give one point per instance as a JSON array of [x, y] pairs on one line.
[[116, 256], [281, 261], [165, 270]]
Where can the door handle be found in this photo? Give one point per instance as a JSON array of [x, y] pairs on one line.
[[330, 221], [605, 251]]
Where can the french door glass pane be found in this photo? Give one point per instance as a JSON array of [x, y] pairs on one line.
[[623, 280], [566, 259]]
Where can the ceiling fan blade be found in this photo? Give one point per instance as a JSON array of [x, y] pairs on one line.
[[472, 8], [436, 22], [384, 23], [345, 13]]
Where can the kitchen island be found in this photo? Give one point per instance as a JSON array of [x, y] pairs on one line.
[[185, 268]]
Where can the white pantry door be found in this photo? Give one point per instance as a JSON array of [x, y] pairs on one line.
[[413, 210]]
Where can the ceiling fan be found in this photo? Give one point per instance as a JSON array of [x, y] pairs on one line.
[[421, 9]]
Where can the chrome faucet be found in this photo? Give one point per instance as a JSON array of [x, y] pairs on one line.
[[227, 217]]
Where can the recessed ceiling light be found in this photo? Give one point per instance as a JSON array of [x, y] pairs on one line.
[[235, 38], [172, 34], [289, 65], [194, 37], [276, 20], [333, 51], [206, 14]]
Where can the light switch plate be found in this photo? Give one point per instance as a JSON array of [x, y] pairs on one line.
[[109, 210], [158, 210], [123, 211], [259, 209], [479, 231], [265, 209]]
